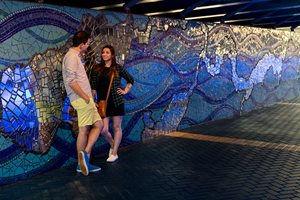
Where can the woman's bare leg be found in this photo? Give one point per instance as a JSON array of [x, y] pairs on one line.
[[105, 132], [117, 125]]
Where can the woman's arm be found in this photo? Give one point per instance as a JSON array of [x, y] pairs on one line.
[[124, 74], [93, 77], [126, 89]]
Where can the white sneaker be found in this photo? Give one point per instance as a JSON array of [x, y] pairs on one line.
[[112, 158]]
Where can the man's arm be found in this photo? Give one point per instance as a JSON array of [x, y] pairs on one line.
[[70, 64], [77, 89]]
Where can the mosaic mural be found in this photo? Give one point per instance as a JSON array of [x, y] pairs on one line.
[[185, 73]]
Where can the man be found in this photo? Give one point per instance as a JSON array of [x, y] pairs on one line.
[[79, 92]]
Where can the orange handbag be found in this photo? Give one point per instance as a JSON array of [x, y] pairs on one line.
[[102, 105], [102, 108]]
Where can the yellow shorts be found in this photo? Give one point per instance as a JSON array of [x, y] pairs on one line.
[[87, 113]]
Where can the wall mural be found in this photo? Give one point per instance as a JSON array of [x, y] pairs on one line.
[[186, 73]]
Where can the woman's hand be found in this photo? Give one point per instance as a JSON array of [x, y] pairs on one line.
[[126, 89], [120, 91]]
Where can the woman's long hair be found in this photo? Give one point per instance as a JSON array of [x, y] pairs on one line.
[[113, 66]]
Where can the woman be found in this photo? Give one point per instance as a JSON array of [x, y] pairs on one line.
[[115, 105]]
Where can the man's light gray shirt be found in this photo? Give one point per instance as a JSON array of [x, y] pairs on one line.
[[73, 71]]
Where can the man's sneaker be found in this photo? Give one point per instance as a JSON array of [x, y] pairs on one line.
[[92, 168], [78, 169], [84, 162], [110, 152], [112, 158]]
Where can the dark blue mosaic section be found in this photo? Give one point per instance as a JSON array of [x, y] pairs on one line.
[[35, 16]]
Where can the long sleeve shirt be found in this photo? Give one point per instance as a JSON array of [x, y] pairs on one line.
[[98, 82], [73, 71]]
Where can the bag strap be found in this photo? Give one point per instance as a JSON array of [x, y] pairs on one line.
[[111, 79]]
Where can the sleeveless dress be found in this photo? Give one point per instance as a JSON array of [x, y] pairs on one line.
[[103, 84]]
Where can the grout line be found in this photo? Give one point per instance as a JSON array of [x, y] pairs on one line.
[[237, 141], [286, 103]]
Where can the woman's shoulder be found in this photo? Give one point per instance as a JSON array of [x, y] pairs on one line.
[[119, 67], [97, 67]]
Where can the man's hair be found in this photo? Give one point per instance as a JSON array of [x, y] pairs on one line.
[[80, 37]]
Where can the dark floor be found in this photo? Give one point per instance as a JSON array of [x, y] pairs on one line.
[[256, 156]]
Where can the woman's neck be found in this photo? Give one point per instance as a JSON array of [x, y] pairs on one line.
[[108, 64]]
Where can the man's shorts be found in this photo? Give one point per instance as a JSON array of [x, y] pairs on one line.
[[87, 113]]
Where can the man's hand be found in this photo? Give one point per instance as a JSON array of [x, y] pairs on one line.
[[94, 92], [77, 89], [87, 100]]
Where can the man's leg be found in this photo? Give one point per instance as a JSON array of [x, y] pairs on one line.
[[93, 136], [91, 140], [88, 115], [81, 142], [82, 138]]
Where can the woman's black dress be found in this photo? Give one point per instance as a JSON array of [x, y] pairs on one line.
[[103, 81]]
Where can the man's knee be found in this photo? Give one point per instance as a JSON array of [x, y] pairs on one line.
[[83, 131], [98, 124]]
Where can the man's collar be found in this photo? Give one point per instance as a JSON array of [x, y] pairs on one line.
[[75, 50]]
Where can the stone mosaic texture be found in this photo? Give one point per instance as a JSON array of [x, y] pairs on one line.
[[185, 73]]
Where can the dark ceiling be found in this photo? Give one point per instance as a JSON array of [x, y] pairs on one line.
[[275, 14]]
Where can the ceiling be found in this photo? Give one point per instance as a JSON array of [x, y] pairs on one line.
[[274, 14]]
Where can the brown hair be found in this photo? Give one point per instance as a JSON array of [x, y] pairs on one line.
[[80, 37], [113, 67]]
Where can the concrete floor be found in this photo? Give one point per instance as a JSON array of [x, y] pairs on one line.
[[255, 156]]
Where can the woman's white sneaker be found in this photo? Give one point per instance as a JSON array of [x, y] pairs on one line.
[[112, 158]]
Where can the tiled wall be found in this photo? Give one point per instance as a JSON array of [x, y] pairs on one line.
[[186, 73]]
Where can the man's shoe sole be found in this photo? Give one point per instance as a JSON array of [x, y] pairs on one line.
[[82, 162], [93, 170]]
